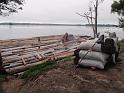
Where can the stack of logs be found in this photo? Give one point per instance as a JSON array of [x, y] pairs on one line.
[[19, 55]]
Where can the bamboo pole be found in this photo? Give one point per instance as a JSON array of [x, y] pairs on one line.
[[1, 61], [23, 68], [2, 70]]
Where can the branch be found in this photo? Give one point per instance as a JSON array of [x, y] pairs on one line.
[[85, 15]]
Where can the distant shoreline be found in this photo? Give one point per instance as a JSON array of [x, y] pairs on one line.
[[56, 24]]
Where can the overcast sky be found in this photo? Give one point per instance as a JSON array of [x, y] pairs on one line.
[[60, 11]]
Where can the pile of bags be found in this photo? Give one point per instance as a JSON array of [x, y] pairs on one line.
[[94, 54]]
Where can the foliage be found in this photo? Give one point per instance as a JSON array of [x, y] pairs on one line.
[[10, 6], [122, 47], [118, 7], [121, 22], [2, 77], [39, 69], [36, 70]]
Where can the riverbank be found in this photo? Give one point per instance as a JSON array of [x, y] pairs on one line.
[[65, 78]]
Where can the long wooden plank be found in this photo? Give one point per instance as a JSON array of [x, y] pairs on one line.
[[23, 68]]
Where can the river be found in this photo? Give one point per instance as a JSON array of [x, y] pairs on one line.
[[27, 31]]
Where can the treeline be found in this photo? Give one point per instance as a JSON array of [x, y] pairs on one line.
[[52, 24], [103, 25]]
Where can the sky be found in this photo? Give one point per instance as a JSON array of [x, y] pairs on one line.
[[60, 11]]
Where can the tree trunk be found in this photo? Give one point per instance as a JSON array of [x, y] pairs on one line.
[[96, 15]]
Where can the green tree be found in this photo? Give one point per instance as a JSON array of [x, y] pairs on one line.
[[118, 7], [9, 6]]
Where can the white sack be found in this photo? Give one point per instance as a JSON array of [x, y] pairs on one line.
[[91, 63], [94, 55], [88, 44]]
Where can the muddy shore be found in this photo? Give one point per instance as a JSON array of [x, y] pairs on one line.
[[68, 79]]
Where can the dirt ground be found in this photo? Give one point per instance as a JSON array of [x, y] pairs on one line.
[[68, 79]]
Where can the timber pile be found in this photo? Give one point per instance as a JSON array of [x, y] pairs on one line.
[[19, 55], [29, 41]]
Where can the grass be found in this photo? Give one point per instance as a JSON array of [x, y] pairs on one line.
[[122, 47], [41, 68], [2, 77]]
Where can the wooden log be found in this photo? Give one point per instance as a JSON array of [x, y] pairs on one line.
[[10, 45], [23, 68], [1, 61], [14, 60], [23, 60], [2, 70], [25, 48], [32, 53], [14, 48], [31, 39], [29, 61], [14, 65], [28, 55], [65, 55], [51, 57]]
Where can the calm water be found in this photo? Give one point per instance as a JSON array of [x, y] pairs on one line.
[[14, 32]]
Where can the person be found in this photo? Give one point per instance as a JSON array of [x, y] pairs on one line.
[[65, 38]]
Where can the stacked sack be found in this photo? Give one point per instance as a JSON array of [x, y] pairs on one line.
[[99, 54]]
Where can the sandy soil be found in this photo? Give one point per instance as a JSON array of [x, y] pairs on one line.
[[68, 79]]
